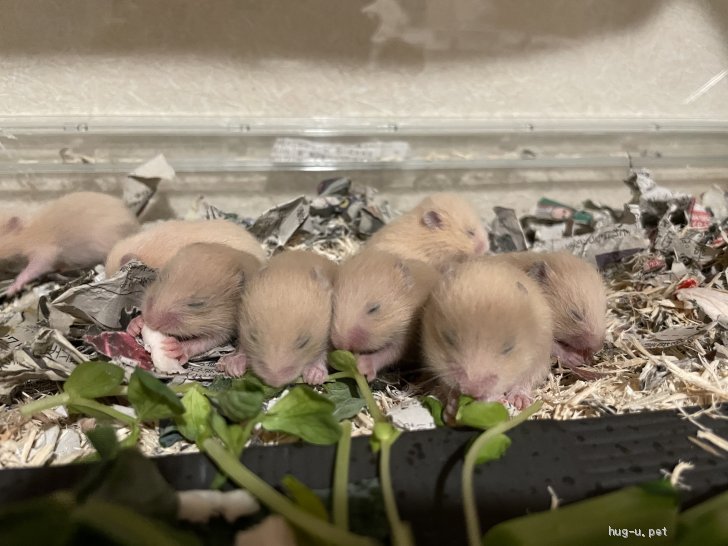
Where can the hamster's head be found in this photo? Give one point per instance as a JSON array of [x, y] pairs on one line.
[[575, 292], [453, 221], [198, 292], [374, 301], [481, 333], [285, 322], [10, 229]]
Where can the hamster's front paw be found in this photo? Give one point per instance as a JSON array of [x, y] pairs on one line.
[[233, 365], [135, 326], [173, 348], [315, 373], [367, 367], [519, 398]]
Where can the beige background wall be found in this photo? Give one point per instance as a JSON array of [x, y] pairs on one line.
[[391, 59], [472, 58]]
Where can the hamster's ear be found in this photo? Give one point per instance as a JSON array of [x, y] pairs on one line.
[[432, 219], [318, 275], [14, 223], [540, 272], [126, 258], [406, 274]]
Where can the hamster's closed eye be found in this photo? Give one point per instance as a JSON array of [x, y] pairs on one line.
[[470, 232], [373, 308], [302, 341], [195, 304], [576, 315], [508, 347]]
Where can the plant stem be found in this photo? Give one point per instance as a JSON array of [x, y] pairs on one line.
[[340, 495], [338, 375], [401, 533], [471, 510], [94, 406], [278, 502], [366, 393], [44, 403]]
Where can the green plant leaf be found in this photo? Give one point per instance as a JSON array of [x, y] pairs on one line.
[[435, 407], [240, 405], [152, 399], [482, 415], [104, 441], [343, 361], [93, 379], [306, 414], [122, 525], [346, 405], [194, 423], [45, 520], [134, 481], [304, 497], [584, 522], [494, 449]]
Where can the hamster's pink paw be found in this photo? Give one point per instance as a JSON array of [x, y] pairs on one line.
[[173, 348], [135, 326], [450, 410], [315, 373], [518, 398], [233, 365], [366, 367], [16, 287]]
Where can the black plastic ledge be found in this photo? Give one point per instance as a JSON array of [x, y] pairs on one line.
[[578, 458]]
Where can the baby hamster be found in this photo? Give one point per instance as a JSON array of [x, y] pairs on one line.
[[196, 299], [442, 227], [378, 299], [575, 293], [285, 320], [74, 231], [486, 332], [157, 244]]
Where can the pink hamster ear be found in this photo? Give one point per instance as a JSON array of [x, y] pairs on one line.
[[433, 220], [14, 223], [406, 273], [540, 271], [320, 277], [126, 258]]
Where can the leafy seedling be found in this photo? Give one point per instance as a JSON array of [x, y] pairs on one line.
[[485, 448], [705, 523], [630, 512], [93, 380], [194, 424], [346, 405], [306, 414], [104, 441], [435, 407], [482, 415], [152, 400]]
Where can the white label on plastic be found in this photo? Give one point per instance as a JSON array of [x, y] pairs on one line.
[[295, 150]]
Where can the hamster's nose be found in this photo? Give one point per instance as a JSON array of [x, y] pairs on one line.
[[358, 339]]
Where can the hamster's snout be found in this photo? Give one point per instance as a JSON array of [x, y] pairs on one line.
[[480, 246], [356, 340], [162, 322], [480, 388]]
